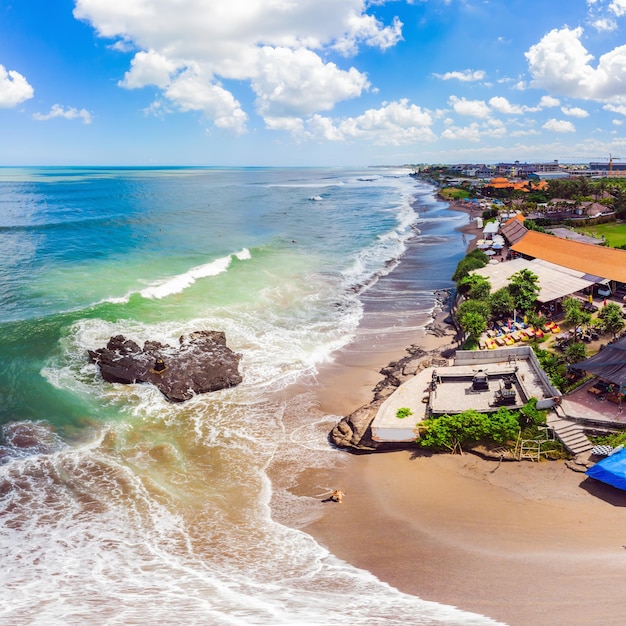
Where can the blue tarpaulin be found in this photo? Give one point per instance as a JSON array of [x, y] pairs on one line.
[[611, 470]]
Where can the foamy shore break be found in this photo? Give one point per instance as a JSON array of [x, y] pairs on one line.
[[522, 543]]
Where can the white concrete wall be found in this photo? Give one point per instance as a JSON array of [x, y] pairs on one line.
[[394, 435]]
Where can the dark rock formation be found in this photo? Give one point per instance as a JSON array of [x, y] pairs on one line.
[[201, 363], [354, 432]]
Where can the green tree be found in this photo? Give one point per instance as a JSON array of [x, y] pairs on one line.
[[452, 432], [619, 204], [531, 414], [575, 315], [524, 289], [553, 366], [473, 316], [534, 319], [611, 316], [575, 352], [472, 261], [475, 287], [501, 302]]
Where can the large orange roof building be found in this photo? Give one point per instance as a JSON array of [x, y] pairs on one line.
[[521, 185], [607, 263]]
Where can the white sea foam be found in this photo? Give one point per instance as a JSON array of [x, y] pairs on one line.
[[179, 283], [176, 284], [333, 183], [376, 261], [243, 254], [169, 513]]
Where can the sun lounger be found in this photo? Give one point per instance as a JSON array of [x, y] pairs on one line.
[[509, 340], [500, 341]]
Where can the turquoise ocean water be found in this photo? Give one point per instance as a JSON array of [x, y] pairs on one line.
[[117, 507]]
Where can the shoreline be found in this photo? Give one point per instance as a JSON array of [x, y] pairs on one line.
[[518, 542]]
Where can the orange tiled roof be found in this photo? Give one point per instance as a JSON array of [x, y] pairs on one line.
[[521, 185], [516, 218], [595, 260]]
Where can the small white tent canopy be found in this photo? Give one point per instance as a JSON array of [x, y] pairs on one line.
[[490, 229]]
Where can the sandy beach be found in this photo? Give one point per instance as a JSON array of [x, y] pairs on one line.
[[522, 543]]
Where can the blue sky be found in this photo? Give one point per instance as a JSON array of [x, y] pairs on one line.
[[310, 82]]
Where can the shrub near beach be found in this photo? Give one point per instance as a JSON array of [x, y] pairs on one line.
[[452, 432], [463, 431]]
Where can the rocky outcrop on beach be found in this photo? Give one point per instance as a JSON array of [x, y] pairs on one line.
[[202, 362], [354, 431]]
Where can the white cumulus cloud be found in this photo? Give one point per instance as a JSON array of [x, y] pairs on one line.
[[192, 93], [278, 47], [548, 101], [575, 112], [467, 133], [621, 109], [472, 108], [395, 123], [367, 29], [298, 82], [559, 126], [604, 25], [561, 64], [464, 76], [70, 113], [148, 68], [14, 88], [618, 7]]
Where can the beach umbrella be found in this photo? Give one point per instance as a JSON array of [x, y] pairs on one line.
[[497, 246], [489, 252]]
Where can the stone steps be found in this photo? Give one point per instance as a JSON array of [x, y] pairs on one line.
[[571, 435]]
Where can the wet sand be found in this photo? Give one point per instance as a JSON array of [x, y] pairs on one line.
[[523, 543]]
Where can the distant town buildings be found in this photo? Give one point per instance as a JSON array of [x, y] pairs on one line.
[[551, 170]]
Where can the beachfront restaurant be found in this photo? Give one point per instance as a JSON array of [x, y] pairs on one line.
[[481, 381], [609, 365], [555, 282], [564, 268]]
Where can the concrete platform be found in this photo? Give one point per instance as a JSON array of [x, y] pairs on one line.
[[452, 396]]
